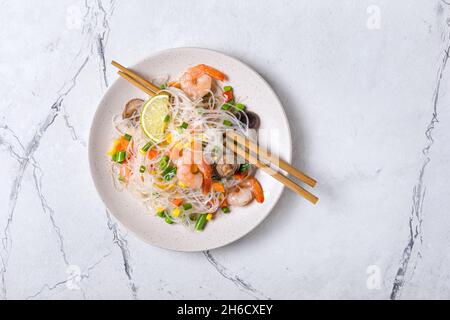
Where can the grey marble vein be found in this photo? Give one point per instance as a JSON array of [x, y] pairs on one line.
[[235, 279], [102, 38], [14, 147], [102, 16], [122, 244], [37, 176], [50, 288], [29, 151], [17, 152], [71, 128], [33, 144], [84, 275], [118, 239], [412, 249], [96, 28]]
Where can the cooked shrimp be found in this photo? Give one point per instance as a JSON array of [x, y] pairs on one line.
[[255, 187], [194, 180], [175, 153], [195, 87], [239, 197], [185, 175], [206, 171], [204, 167], [196, 81]]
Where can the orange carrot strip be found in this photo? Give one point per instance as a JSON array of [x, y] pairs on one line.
[[152, 153], [177, 202], [123, 144]]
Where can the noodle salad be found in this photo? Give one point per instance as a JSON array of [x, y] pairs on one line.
[[169, 151]]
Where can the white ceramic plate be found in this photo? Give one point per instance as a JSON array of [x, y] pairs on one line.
[[258, 96]]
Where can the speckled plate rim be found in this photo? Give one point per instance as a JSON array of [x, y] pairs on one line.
[[287, 156]]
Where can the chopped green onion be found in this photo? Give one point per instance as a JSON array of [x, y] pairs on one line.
[[227, 88], [169, 173], [226, 210], [163, 86], [114, 157], [244, 167], [187, 206], [164, 162], [121, 155], [201, 222], [161, 214], [184, 125], [142, 169], [193, 217], [240, 106], [167, 118], [226, 106], [147, 146], [169, 220], [127, 137], [228, 123]]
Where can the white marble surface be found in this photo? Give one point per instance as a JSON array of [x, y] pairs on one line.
[[366, 88]]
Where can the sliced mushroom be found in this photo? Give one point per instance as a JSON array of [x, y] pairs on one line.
[[132, 107], [253, 120], [226, 170]]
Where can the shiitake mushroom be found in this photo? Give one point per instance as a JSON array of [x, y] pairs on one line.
[[253, 120], [132, 107], [225, 170]]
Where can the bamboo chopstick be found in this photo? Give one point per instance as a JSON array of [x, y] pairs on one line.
[[238, 149], [136, 77], [274, 160], [136, 83]]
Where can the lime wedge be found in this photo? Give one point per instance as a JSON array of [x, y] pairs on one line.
[[153, 114]]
